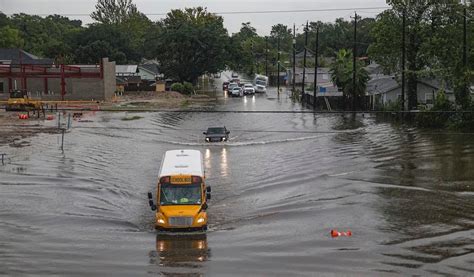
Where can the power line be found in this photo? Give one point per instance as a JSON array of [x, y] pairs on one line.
[[236, 12]]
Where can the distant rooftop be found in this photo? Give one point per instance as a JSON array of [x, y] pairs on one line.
[[126, 69], [20, 56]]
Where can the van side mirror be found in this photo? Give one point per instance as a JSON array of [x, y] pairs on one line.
[[150, 202], [208, 196], [227, 132], [208, 189], [204, 133]]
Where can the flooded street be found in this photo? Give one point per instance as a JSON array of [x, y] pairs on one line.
[[281, 183]]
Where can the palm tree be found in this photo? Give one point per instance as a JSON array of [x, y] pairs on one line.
[[342, 75]]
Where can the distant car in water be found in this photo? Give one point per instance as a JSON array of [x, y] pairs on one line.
[[225, 86], [236, 91], [216, 134], [231, 85], [248, 89]]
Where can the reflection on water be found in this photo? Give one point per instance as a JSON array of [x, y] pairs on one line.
[[209, 160], [224, 166], [183, 250]]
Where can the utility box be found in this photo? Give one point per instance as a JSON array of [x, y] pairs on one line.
[[160, 86]]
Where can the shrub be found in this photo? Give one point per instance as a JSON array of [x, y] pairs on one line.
[[439, 116], [177, 87], [188, 88], [393, 106]]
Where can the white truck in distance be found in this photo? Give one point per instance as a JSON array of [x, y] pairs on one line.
[[260, 82]]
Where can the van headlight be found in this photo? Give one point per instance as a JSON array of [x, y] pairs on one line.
[[207, 139], [161, 221], [200, 220]]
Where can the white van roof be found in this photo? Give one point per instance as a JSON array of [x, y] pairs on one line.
[[182, 162]]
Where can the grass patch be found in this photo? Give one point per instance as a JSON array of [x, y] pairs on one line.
[[185, 103], [135, 117]]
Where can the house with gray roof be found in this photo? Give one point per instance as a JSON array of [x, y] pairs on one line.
[[325, 85], [386, 89], [126, 70], [149, 72], [16, 56]]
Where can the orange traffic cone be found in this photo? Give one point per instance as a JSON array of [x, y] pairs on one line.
[[335, 233]]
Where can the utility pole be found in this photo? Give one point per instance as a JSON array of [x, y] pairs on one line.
[[464, 58], [354, 66], [294, 56], [278, 73], [464, 54], [304, 61], [403, 57], [266, 56], [316, 53]]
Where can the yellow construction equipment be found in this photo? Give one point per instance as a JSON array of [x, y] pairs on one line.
[[19, 101]]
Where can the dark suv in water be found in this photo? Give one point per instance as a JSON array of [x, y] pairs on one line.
[[216, 134]]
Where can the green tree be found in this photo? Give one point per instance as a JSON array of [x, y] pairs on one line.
[[241, 50], [105, 40], [48, 36], [4, 20], [191, 42], [431, 28], [114, 11], [125, 15], [286, 37], [91, 53], [386, 50], [342, 75], [10, 38]]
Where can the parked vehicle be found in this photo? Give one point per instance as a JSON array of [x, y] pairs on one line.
[[182, 194], [236, 92], [249, 89], [216, 134], [20, 101], [261, 83], [234, 75]]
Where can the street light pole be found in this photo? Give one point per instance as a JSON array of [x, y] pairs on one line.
[[266, 56], [294, 57], [316, 53], [278, 73], [354, 66], [304, 61], [403, 58]]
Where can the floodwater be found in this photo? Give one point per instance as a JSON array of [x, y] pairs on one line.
[[280, 184]]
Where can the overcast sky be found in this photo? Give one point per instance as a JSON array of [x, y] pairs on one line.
[[262, 22]]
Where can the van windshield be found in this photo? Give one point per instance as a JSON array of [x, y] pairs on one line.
[[180, 194]]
